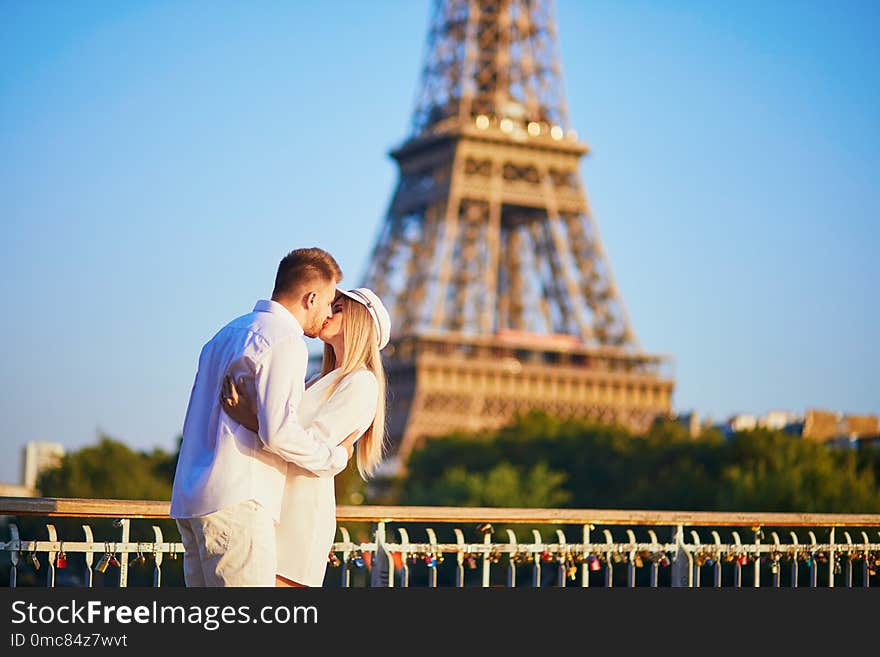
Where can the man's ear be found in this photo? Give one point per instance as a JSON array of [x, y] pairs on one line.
[[309, 299]]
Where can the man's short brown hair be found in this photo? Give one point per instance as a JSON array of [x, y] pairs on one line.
[[302, 266]]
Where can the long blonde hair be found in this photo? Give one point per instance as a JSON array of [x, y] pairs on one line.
[[361, 350]]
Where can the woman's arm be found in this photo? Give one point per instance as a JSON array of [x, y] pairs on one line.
[[351, 406], [349, 410]]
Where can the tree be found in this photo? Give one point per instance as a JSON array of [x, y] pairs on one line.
[[503, 485], [107, 470], [111, 470], [600, 466], [769, 471]]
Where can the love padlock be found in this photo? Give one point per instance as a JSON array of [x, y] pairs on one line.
[[546, 557], [61, 560], [593, 562], [743, 560], [104, 562]]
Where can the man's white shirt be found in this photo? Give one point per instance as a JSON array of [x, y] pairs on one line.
[[221, 462]]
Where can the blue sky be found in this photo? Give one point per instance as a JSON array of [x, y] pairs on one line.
[[158, 158]]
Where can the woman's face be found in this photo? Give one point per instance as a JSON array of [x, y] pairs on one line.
[[333, 327]]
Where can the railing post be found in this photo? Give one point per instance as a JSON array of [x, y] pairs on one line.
[[50, 557], [561, 572], [716, 561], [536, 566], [90, 556], [157, 556], [655, 563], [696, 562], [380, 576], [758, 534], [511, 565], [631, 571], [585, 567], [609, 560], [487, 560], [737, 565], [814, 566], [15, 544], [346, 558], [404, 557], [459, 560], [125, 525], [682, 569], [775, 568], [831, 559], [849, 553], [794, 560]]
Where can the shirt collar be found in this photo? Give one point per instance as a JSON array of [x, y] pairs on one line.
[[269, 306]]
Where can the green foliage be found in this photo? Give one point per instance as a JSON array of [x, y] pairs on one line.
[[107, 470], [111, 470], [503, 485], [544, 461], [767, 470]]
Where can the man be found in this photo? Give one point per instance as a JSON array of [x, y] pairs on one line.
[[229, 481]]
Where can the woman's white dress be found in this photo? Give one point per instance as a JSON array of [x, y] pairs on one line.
[[307, 527]]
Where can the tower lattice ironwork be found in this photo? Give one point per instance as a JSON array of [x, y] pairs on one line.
[[489, 260]]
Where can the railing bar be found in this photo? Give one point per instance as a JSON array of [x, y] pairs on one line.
[[75, 507]]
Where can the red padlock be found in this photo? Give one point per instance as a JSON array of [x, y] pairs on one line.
[[593, 560], [61, 560], [743, 560], [546, 557]]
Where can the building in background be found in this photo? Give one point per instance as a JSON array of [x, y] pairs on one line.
[[835, 427], [778, 420], [825, 425], [741, 422], [36, 457], [489, 258]]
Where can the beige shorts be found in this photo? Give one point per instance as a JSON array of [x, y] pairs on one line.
[[234, 546]]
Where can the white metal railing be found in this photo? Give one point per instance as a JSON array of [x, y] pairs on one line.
[[656, 548]]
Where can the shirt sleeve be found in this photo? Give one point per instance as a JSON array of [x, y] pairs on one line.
[[350, 408], [278, 382]]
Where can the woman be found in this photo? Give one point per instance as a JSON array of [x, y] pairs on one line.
[[348, 397]]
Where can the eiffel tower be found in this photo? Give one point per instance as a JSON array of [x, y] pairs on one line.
[[489, 260]]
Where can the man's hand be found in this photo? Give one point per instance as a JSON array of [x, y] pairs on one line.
[[348, 443], [238, 404]]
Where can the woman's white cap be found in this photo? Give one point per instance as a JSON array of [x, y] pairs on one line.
[[381, 319]]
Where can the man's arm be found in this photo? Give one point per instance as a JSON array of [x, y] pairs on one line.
[[278, 386]]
